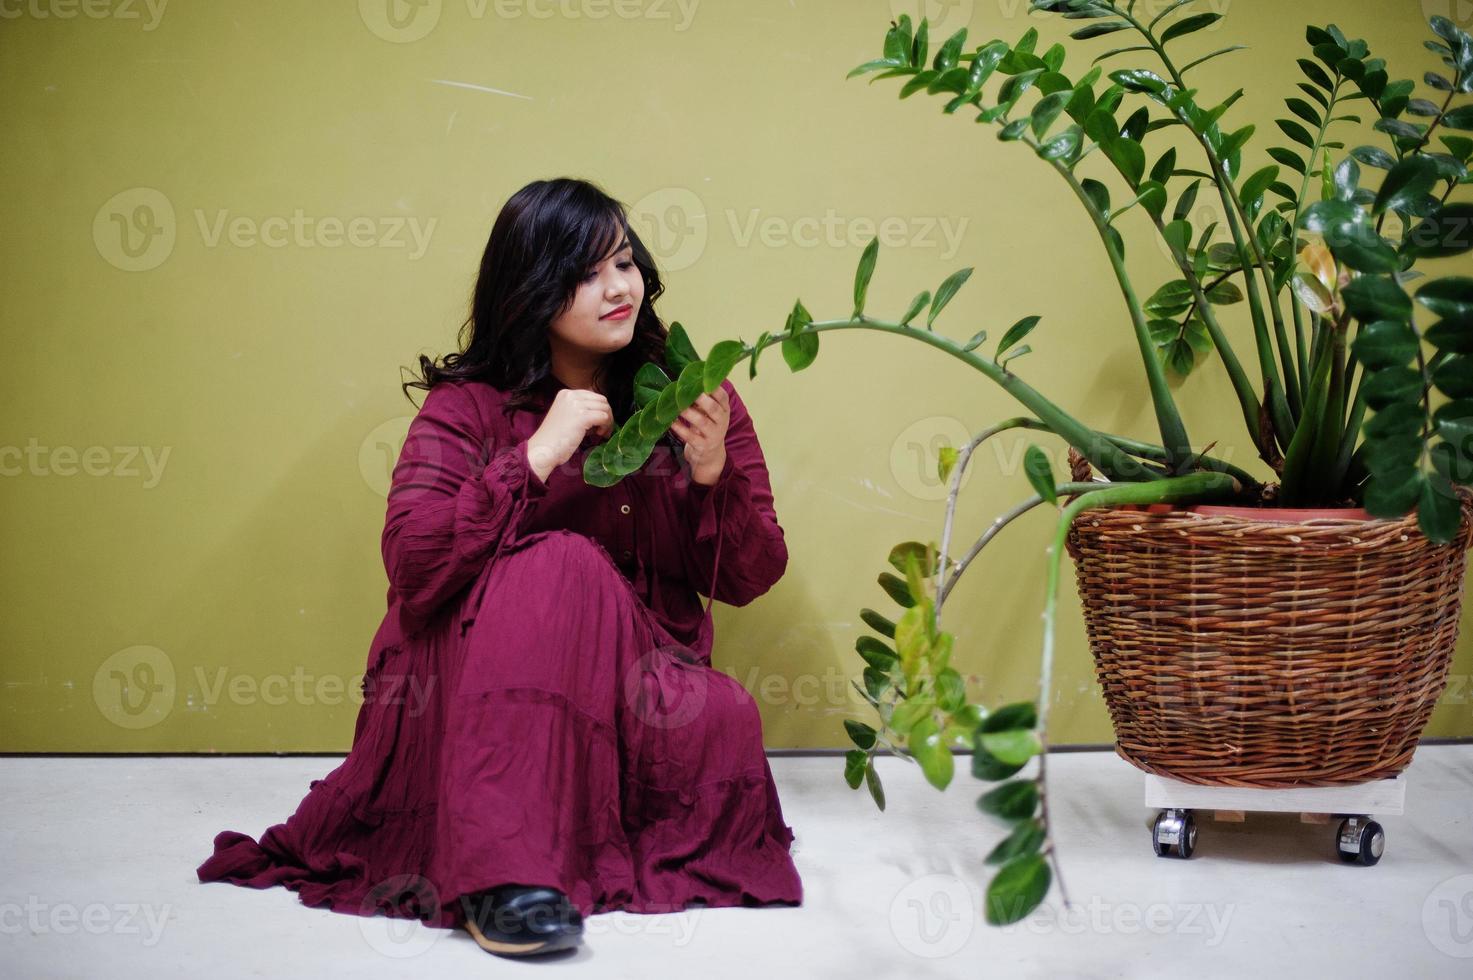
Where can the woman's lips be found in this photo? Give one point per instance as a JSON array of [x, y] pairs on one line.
[[618, 314]]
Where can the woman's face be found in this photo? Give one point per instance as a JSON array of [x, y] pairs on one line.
[[585, 331]]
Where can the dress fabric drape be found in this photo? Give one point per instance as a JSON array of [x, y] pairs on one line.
[[539, 702]]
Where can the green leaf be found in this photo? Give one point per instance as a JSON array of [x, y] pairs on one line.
[[866, 269], [1189, 25], [1446, 232], [1040, 474], [1451, 335], [1138, 80], [987, 766], [1062, 146], [916, 305], [854, 763], [1254, 186], [1295, 132], [1374, 297], [1459, 118], [678, 349], [1220, 51], [926, 744], [1017, 889], [872, 780], [1392, 384], [951, 690], [1406, 184], [1385, 343], [977, 340], [1017, 745], [1098, 194], [946, 57], [1025, 839], [1391, 496], [910, 712], [723, 357], [1096, 30], [1016, 333], [945, 292], [896, 588], [799, 348], [877, 653], [1046, 111], [1020, 714], [860, 734], [1450, 297], [1439, 512], [1315, 74], [1454, 376], [878, 623], [1128, 156], [1288, 158], [1013, 800], [649, 381]]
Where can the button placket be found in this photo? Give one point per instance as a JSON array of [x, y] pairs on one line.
[[626, 532]]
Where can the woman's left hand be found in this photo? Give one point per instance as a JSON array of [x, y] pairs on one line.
[[702, 427]]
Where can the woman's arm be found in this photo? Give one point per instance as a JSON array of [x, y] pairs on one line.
[[736, 513], [455, 493]]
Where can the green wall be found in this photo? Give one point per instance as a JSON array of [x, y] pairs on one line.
[[200, 415]]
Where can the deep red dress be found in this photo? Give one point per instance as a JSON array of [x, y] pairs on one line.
[[539, 704]]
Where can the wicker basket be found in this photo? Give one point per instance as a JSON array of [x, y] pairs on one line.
[[1263, 648]]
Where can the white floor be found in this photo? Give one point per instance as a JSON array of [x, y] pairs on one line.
[[98, 859]]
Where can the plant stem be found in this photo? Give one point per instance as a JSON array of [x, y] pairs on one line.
[[1168, 418], [1197, 486], [1103, 454]]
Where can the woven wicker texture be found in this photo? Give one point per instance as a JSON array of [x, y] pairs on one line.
[[1243, 652]]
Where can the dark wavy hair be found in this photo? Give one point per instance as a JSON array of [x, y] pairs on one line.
[[545, 240]]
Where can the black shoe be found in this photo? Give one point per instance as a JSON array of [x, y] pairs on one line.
[[522, 920]]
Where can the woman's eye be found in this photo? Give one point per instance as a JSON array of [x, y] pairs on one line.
[[627, 264]]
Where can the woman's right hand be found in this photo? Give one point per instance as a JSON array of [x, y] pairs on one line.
[[574, 411]]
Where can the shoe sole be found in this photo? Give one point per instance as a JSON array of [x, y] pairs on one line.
[[500, 947]]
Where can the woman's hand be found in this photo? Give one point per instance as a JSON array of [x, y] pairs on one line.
[[574, 411], [702, 428]]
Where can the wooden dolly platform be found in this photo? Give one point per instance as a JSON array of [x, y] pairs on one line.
[[1358, 839]]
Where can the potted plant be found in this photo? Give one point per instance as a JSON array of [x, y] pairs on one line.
[[1295, 630]]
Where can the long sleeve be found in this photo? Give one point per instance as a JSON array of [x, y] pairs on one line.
[[736, 514], [455, 496]]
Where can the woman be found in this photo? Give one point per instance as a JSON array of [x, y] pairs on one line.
[[542, 736]]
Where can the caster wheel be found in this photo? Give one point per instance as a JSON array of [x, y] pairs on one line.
[[1174, 833], [1360, 840]]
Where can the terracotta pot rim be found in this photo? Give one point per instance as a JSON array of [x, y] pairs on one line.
[[1267, 515]]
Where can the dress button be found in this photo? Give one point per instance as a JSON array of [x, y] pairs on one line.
[[627, 554], [623, 508]]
